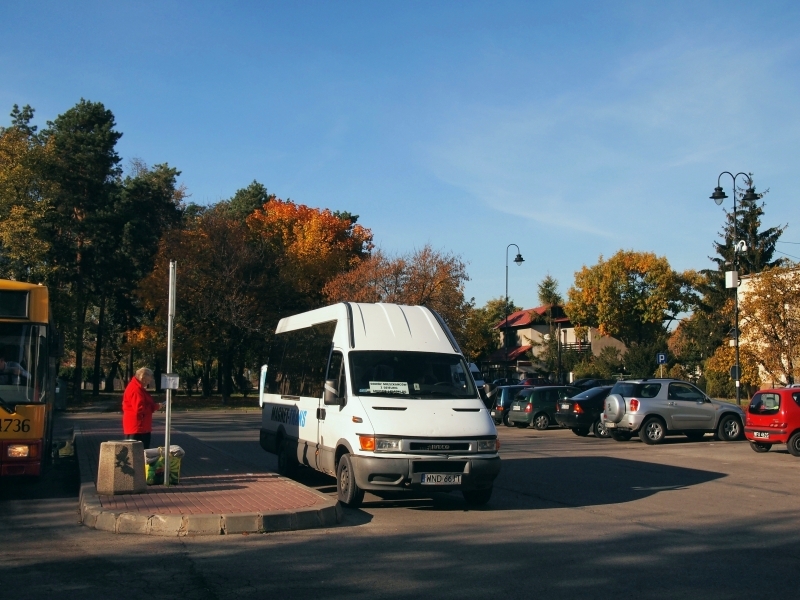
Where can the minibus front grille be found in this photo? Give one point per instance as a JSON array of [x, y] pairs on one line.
[[439, 447]]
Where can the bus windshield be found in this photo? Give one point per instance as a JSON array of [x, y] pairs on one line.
[[419, 375], [23, 363]]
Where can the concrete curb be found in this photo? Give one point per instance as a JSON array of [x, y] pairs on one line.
[[326, 513]]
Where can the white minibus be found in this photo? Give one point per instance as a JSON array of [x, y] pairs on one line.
[[380, 397]]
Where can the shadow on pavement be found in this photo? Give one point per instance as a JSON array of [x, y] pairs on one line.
[[590, 480], [59, 480]]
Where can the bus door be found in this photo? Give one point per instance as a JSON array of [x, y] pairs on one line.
[[331, 417]]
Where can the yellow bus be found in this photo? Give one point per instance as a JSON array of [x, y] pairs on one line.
[[28, 349]]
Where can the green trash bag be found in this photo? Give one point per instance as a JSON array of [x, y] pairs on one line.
[[154, 466]]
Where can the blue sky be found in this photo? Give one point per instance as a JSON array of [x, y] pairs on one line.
[[572, 129]]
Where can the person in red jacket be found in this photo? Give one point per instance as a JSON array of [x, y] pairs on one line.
[[138, 407]]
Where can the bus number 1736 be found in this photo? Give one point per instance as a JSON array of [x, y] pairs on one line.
[[17, 425]]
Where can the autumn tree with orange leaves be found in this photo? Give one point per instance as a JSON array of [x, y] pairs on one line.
[[238, 277], [632, 296], [424, 277], [312, 246], [770, 322]]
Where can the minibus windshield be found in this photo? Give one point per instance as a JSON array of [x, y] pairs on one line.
[[418, 375]]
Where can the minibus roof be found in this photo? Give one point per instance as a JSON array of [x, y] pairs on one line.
[[380, 326], [398, 327]]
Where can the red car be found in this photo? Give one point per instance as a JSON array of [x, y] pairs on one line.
[[773, 417]]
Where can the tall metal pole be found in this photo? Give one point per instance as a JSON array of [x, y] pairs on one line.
[[519, 260], [718, 196], [736, 296], [170, 319], [505, 333], [558, 346]]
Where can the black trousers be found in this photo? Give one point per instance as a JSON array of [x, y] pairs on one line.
[[142, 437]]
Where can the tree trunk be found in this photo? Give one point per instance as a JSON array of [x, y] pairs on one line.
[[227, 377], [77, 378], [129, 374], [98, 348], [206, 377], [113, 369], [219, 378]]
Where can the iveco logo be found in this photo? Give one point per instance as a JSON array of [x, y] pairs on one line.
[[438, 446]]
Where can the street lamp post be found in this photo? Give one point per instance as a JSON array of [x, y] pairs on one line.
[[518, 260], [718, 196]]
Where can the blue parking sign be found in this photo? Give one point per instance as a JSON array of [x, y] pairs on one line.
[[661, 358]]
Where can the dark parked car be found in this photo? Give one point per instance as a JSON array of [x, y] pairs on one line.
[[505, 381], [535, 381], [587, 384], [536, 406], [502, 402], [583, 412]]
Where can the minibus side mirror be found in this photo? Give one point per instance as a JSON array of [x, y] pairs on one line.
[[331, 397]]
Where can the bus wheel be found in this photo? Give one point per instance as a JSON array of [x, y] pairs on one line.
[[347, 489]]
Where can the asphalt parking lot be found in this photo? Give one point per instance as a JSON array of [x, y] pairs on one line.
[[571, 518]]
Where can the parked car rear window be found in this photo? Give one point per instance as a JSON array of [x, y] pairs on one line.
[[527, 395], [796, 397], [630, 389], [765, 404], [594, 392]]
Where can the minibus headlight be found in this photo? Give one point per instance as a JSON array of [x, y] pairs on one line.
[[487, 445], [387, 445], [18, 450]]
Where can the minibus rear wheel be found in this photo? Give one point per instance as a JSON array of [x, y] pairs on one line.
[[287, 461], [346, 487]]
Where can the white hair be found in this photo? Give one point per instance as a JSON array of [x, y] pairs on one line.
[[140, 373]]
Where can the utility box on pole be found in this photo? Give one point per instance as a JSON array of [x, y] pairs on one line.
[[731, 279]]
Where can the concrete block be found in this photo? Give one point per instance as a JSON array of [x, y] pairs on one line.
[[278, 521], [204, 524], [241, 523], [106, 521], [89, 518], [330, 516], [307, 519], [121, 468], [133, 523], [167, 525]]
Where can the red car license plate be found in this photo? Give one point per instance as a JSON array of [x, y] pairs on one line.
[[764, 435]]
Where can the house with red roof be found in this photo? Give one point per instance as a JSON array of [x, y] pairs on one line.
[[524, 334]]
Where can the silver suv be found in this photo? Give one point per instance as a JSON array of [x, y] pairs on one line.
[[655, 408]]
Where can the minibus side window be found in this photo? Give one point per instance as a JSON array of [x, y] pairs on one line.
[[337, 373], [299, 359]]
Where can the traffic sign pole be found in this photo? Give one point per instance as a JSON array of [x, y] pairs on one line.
[[661, 360], [170, 319]]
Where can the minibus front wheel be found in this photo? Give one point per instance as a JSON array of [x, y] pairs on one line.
[[347, 489]]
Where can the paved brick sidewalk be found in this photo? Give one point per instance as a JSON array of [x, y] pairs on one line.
[[216, 494]]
